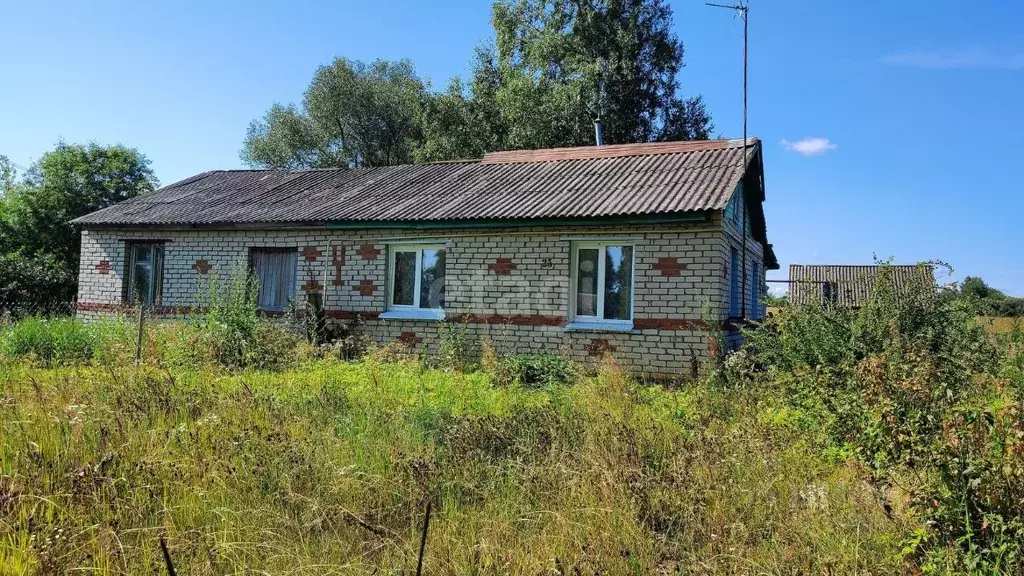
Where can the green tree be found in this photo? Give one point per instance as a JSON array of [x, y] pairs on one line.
[[556, 65], [352, 114], [989, 301], [40, 244]]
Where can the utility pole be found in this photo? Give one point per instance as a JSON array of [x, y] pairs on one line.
[[742, 9]]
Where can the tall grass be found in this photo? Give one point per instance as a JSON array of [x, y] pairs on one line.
[[887, 440], [327, 470]]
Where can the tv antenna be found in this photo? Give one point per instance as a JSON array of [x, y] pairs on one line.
[[741, 10]]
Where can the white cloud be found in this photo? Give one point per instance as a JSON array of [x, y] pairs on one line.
[[814, 146], [951, 59]]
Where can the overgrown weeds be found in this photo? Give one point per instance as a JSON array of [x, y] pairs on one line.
[[916, 390], [327, 469]]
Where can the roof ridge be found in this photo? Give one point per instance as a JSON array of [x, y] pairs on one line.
[[858, 265], [614, 150]]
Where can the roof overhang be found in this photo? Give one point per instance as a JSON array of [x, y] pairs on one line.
[[680, 218]]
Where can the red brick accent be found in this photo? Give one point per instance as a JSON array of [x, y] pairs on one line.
[[668, 324], [364, 287], [669, 266], [350, 315], [104, 267], [202, 266], [312, 286], [310, 253], [502, 266], [599, 347], [409, 339], [682, 324], [368, 251], [338, 259], [515, 319], [126, 309]]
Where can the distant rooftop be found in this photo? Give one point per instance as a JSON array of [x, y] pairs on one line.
[[848, 286]]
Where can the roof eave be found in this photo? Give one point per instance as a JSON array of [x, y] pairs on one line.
[[677, 218]]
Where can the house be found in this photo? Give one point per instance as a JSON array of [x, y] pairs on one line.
[[584, 251], [849, 286]]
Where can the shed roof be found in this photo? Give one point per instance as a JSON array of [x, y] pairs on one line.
[[848, 286], [656, 179]]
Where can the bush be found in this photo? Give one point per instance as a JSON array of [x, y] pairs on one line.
[[536, 370], [236, 333], [913, 387], [34, 285], [59, 341]]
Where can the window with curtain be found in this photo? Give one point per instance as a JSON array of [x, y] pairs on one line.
[[274, 269], [144, 273], [417, 278], [603, 282]]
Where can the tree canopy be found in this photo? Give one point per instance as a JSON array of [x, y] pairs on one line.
[[989, 301], [40, 246], [553, 67], [352, 114]]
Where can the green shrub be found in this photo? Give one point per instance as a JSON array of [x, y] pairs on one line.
[[455, 351], [235, 332], [914, 387], [536, 370], [53, 341]]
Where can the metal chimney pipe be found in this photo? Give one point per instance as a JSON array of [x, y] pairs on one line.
[[597, 132]]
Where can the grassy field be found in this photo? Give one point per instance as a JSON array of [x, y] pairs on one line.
[[1001, 325], [327, 469], [880, 441]]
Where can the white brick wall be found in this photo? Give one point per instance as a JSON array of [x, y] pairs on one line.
[[537, 286]]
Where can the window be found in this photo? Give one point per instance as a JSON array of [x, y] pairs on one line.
[[755, 291], [274, 269], [145, 273], [416, 281], [828, 293], [734, 209], [734, 283], [602, 279]]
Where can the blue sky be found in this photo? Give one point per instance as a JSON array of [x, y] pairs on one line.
[[889, 129]]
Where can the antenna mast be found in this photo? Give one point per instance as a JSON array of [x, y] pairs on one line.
[[742, 9]]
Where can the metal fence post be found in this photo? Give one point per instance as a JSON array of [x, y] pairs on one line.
[[138, 342]]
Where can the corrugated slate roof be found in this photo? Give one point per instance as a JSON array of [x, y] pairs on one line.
[[848, 286], [564, 183]]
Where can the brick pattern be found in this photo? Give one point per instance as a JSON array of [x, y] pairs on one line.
[[311, 253], [668, 266], [514, 319], [502, 266], [409, 339], [202, 266], [364, 287], [312, 286], [599, 347], [368, 252], [104, 267], [522, 312], [338, 261]]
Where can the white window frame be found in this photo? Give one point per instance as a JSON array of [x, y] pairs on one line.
[[405, 311], [598, 322]]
